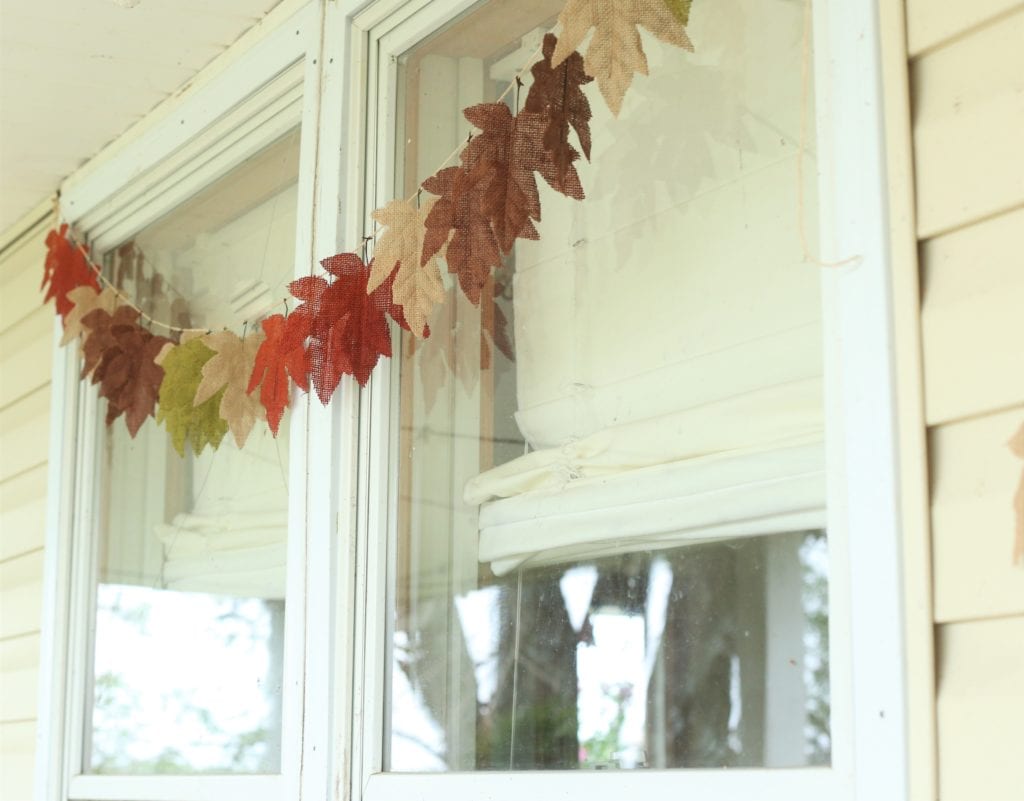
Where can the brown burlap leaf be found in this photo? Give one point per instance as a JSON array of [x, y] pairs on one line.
[[101, 323], [85, 300], [616, 52], [417, 285], [230, 370], [128, 375], [457, 220]]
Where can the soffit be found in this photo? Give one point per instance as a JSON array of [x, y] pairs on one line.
[[74, 74]]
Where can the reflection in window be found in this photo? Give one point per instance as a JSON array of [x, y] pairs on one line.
[[187, 654]]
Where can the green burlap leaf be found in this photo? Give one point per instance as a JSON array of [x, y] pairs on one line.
[[199, 425], [680, 9]]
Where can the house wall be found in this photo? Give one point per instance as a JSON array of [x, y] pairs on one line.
[[25, 363], [966, 66]]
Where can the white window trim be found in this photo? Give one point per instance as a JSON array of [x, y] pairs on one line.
[[114, 195], [868, 705]]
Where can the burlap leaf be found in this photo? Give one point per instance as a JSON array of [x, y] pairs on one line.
[[282, 355], [86, 299], [101, 325], [128, 375], [66, 268], [418, 288], [457, 220], [228, 372], [680, 9], [186, 422], [557, 94], [1017, 446], [493, 327], [616, 52], [349, 329]]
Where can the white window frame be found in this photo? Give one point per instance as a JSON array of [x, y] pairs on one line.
[[869, 758], [265, 88]]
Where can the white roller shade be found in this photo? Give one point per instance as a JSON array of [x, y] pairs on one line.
[[668, 329]]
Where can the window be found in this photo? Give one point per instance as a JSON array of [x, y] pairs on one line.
[[607, 545], [186, 605]]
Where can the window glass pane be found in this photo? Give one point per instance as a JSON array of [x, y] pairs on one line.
[[189, 607], [609, 543]]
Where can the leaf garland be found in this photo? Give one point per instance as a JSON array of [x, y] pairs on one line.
[[417, 287], [281, 356], [127, 372], [228, 373], [478, 211], [616, 53], [197, 425], [66, 268]]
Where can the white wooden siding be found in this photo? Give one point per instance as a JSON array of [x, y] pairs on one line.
[[25, 355], [981, 706], [967, 84], [973, 318], [974, 477], [969, 114], [933, 22]]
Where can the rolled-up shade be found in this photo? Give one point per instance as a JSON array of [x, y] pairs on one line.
[[236, 554], [750, 465]]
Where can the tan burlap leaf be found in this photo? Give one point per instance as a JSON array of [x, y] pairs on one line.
[[1017, 446], [616, 52], [85, 300], [418, 287], [230, 370]]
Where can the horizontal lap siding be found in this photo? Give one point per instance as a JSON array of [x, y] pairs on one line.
[[967, 83], [26, 330]]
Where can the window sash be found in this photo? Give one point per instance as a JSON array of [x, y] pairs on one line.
[[869, 757]]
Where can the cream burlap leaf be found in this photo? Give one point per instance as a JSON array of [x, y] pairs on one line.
[[418, 287], [616, 52], [230, 370]]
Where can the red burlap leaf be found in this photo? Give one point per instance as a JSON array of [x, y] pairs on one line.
[[349, 329], [281, 356], [458, 215], [66, 268], [557, 94], [128, 374]]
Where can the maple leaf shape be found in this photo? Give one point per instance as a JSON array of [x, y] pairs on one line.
[[458, 216], [229, 372], [281, 355], [557, 94], [349, 329], [616, 53], [128, 375], [66, 268], [86, 299], [1017, 446], [101, 324], [417, 287], [188, 423], [513, 149]]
